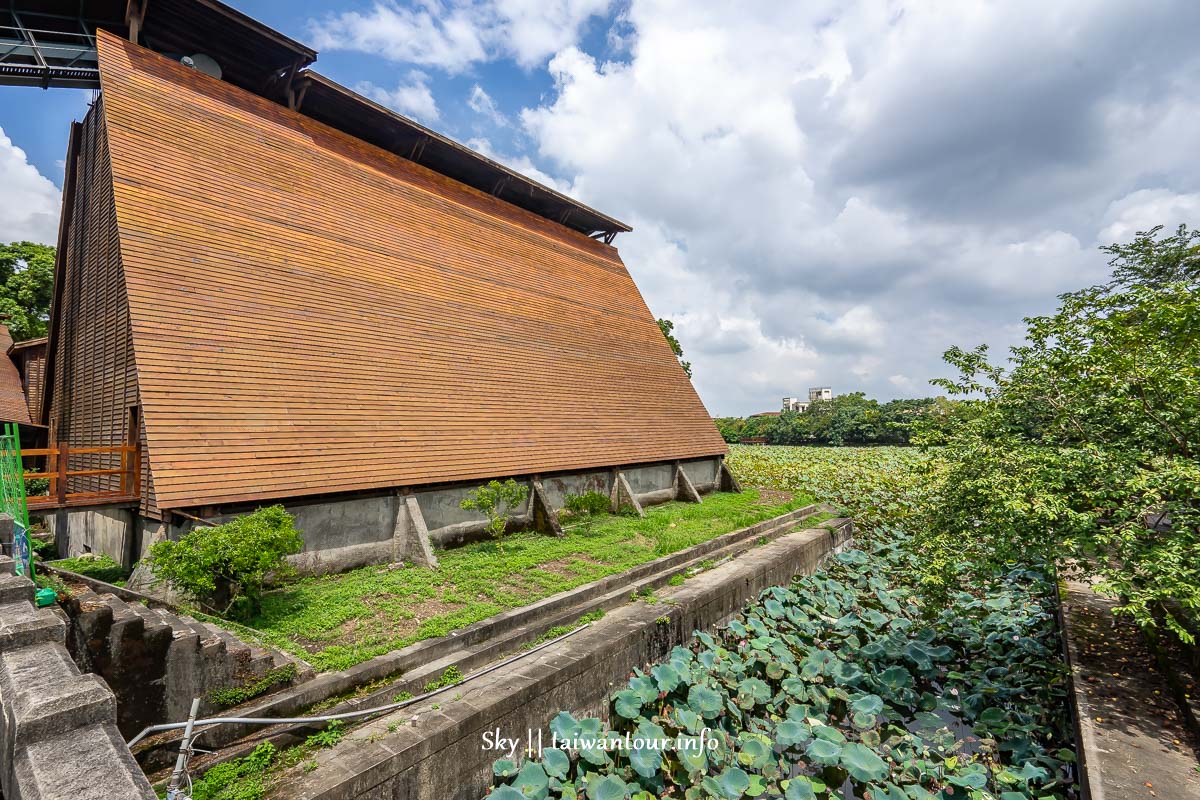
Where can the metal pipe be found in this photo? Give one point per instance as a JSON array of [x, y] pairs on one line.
[[185, 748], [172, 726]]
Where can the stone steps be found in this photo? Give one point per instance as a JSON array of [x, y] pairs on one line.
[[52, 718], [157, 660]]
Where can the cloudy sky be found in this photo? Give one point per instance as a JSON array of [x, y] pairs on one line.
[[821, 192]]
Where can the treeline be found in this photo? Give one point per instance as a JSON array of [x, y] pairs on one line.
[[848, 419]]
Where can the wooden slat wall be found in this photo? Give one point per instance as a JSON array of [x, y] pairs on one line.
[[31, 361], [96, 380], [312, 314]]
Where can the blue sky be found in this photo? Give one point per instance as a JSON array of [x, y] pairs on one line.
[[822, 193]]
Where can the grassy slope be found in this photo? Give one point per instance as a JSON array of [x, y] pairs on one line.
[[335, 621]]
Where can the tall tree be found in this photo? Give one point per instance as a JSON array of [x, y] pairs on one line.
[[26, 286], [667, 326]]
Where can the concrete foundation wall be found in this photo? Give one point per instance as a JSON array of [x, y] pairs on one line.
[[99, 530], [343, 534]]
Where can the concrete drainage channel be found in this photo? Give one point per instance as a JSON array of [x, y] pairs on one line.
[[485, 642]]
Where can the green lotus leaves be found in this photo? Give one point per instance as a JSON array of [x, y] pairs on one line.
[[666, 677], [824, 752], [628, 704], [733, 783], [752, 692], [645, 760], [705, 702], [564, 726], [504, 768], [608, 787], [532, 781], [896, 678], [754, 750], [842, 675], [692, 754], [863, 764], [556, 762], [801, 788], [867, 704], [790, 733]]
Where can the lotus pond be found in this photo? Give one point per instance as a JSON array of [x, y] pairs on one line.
[[843, 684]]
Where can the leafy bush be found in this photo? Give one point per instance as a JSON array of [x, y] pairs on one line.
[[224, 567], [839, 678], [496, 500], [1086, 448]]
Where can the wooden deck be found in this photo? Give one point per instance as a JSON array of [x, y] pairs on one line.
[[100, 485]]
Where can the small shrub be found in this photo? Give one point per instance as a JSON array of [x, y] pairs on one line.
[[451, 676], [334, 732], [225, 566], [496, 500], [584, 509], [42, 548], [36, 486]]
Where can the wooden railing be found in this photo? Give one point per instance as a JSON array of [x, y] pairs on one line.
[[59, 474]]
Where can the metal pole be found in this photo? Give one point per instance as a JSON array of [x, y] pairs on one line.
[[185, 748]]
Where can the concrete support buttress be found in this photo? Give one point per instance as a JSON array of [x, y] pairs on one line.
[[727, 482], [545, 519], [684, 489], [410, 537], [623, 492]]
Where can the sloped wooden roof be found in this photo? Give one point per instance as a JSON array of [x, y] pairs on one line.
[[12, 394], [312, 314]]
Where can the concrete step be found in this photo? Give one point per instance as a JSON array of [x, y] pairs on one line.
[[46, 696], [23, 625], [14, 589], [153, 622], [7, 565]]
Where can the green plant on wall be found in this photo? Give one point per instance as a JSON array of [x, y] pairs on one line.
[[496, 501], [584, 509], [224, 567]]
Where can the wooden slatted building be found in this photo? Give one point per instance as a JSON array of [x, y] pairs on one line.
[[274, 290]]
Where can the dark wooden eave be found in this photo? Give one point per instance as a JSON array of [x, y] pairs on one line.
[[326, 101]]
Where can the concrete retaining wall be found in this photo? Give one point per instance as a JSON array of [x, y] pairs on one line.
[[441, 754], [343, 534], [155, 662], [58, 733]]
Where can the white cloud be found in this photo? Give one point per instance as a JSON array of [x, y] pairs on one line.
[[838, 192], [1142, 210], [413, 98], [454, 34], [29, 202], [481, 103]]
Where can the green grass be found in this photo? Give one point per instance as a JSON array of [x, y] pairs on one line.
[[100, 567], [336, 621]]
